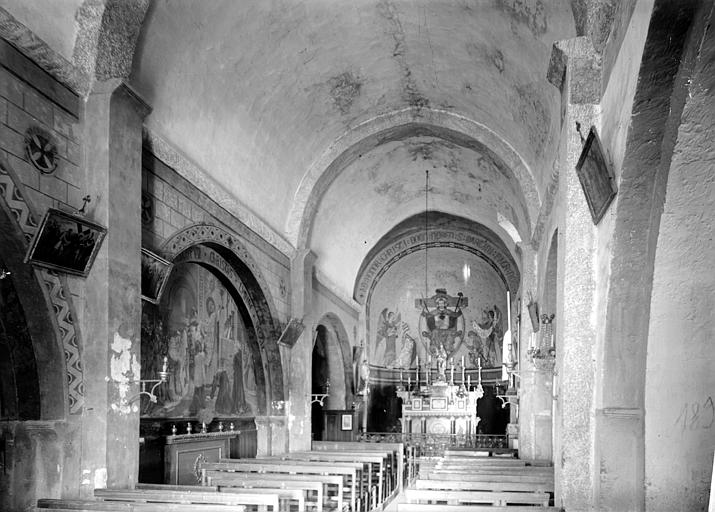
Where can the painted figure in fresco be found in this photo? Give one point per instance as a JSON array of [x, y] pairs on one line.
[[443, 324], [407, 350], [486, 338], [388, 331], [239, 397]]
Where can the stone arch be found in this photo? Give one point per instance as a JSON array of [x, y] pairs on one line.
[[393, 126], [243, 274], [341, 383], [672, 45], [549, 299], [43, 297]]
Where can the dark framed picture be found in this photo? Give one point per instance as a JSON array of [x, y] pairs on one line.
[[597, 179], [155, 273], [66, 243], [346, 422]]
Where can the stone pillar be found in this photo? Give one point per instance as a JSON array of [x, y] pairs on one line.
[[299, 369], [576, 334], [535, 391], [112, 312]]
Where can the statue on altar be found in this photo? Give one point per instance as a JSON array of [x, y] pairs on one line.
[[442, 364], [444, 321]]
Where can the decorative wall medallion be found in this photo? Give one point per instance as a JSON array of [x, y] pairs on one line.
[[41, 150]]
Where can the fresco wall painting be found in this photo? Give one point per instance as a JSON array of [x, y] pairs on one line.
[[199, 328]]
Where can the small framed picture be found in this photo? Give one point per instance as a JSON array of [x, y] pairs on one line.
[[460, 404], [596, 177], [155, 273], [416, 404], [65, 242], [346, 422], [438, 404]]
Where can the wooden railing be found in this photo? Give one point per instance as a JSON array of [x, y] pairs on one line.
[[434, 445]]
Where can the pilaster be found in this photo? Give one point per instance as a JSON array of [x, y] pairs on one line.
[[112, 312], [300, 367]]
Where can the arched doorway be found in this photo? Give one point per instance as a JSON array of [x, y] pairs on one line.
[[332, 372], [41, 378], [320, 382]]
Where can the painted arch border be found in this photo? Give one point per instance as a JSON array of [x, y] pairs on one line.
[[266, 317], [55, 290]]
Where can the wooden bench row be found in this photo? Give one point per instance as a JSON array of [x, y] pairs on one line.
[[333, 477], [472, 483]]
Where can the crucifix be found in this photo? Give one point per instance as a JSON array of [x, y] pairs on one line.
[[443, 321]]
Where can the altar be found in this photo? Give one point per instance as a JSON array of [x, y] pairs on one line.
[[440, 408]]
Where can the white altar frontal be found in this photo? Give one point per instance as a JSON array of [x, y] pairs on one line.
[[440, 408]]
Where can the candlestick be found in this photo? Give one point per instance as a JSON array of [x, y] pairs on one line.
[[469, 381], [452, 374]]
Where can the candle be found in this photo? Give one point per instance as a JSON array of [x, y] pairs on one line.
[[452, 374], [469, 381], [400, 377], [409, 382], [163, 368]]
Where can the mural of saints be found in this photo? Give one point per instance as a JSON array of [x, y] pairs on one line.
[[198, 327], [485, 340], [394, 347]]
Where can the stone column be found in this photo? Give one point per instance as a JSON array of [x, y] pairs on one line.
[[576, 334], [299, 371], [535, 391], [112, 312]]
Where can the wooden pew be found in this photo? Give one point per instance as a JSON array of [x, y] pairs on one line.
[[327, 483], [351, 472], [318, 484], [376, 466], [481, 485], [396, 452], [360, 484], [57, 505], [476, 477], [267, 501], [427, 507], [300, 492], [457, 497]]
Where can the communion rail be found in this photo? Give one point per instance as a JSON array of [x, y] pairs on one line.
[[434, 445]]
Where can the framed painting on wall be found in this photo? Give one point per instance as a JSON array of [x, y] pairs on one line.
[[597, 180], [155, 272], [346, 422], [66, 243]]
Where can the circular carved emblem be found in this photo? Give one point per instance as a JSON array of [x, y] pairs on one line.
[[41, 150]]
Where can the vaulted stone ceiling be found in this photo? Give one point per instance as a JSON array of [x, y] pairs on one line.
[[277, 99], [320, 117]]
